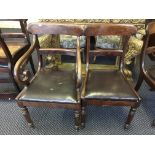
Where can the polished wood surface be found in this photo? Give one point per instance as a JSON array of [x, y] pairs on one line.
[[110, 29], [51, 28]]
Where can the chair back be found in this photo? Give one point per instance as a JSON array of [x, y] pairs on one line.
[[55, 28], [122, 30], [37, 29]]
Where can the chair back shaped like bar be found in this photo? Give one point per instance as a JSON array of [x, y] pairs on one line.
[[55, 28], [123, 30], [37, 29], [110, 29]]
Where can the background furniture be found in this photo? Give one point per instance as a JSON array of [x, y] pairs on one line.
[[12, 47], [109, 87], [151, 39], [55, 88], [147, 73]]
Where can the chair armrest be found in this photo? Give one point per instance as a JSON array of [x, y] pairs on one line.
[[22, 75]]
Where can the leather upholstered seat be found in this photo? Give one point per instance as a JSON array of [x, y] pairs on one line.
[[52, 86], [107, 85]]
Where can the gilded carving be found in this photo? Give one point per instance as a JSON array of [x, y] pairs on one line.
[[48, 41], [135, 43]]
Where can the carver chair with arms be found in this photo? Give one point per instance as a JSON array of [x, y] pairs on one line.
[[109, 87], [54, 87]]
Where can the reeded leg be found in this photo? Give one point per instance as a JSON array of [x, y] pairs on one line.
[[130, 117], [77, 120], [139, 83], [83, 117], [26, 114]]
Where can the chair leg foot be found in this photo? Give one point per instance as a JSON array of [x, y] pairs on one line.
[[126, 126], [31, 125], [77, 120], [130, 117], [77, 128], [82, 125], [26, 114]]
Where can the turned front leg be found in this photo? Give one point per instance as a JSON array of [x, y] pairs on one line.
[[130, 117], [83, 116], [77, 119], [26, 114]]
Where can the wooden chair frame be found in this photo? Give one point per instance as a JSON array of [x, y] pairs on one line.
[[110, 29], [43, 28]]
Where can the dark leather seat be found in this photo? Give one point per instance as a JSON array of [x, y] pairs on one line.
[[107, 85], [52, 86]]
